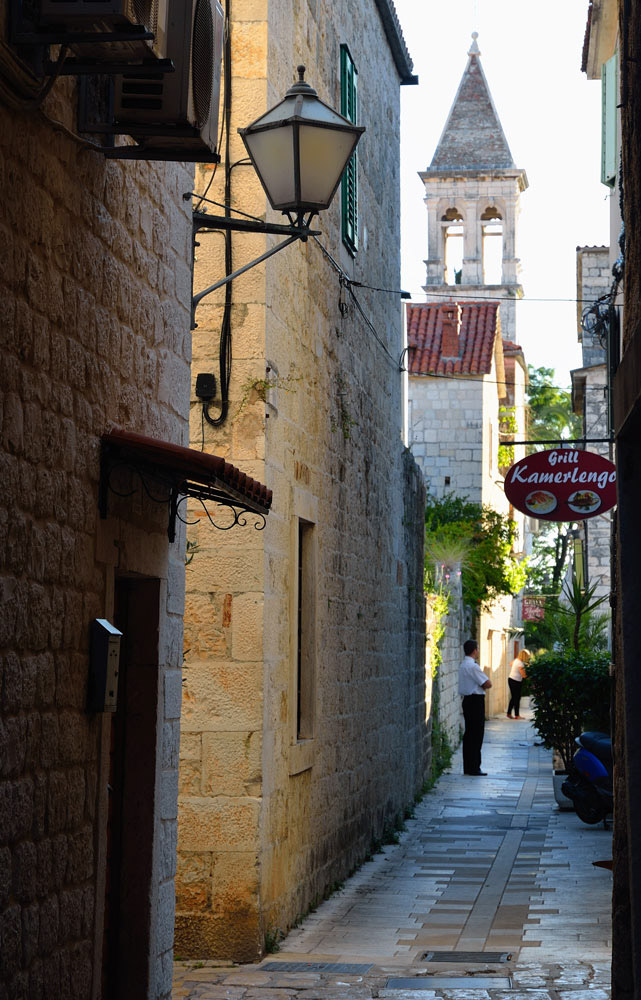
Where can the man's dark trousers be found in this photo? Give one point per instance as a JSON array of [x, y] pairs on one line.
[[474, 715]]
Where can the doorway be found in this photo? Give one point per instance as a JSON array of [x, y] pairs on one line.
[[131, 794]]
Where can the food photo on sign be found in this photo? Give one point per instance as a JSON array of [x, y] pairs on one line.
[[564, 484]]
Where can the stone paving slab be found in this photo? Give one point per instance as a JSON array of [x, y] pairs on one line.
[[487, 864], [570, 981]]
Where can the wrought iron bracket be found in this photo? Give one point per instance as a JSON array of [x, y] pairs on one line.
[[298, 230], [172, 491]]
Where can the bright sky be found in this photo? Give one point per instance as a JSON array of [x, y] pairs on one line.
[[550, 112]]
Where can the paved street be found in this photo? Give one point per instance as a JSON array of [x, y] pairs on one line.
[[488, 865]]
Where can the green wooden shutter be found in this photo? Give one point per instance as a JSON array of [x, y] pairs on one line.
[[349, 183], [609, 101]]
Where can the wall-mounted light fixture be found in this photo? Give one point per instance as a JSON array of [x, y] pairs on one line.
[[299, 149]]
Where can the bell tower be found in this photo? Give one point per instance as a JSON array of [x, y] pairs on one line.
[[472, 191]]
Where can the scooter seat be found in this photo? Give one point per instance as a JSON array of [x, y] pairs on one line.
[[600, 745]]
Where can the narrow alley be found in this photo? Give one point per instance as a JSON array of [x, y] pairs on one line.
[[491, 893]]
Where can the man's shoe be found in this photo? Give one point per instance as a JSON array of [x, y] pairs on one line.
[[476, 774]]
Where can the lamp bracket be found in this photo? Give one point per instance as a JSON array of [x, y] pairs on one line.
[[297, 231], [202, 220]]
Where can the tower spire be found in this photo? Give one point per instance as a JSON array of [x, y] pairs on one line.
[[473, 136]]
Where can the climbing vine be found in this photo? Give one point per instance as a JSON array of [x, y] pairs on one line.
[[439, 603], [507, 425]]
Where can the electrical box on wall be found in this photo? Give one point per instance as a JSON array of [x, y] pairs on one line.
[[104, 661]]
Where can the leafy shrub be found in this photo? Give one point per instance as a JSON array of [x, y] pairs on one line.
[[571, 693], [480, 539]]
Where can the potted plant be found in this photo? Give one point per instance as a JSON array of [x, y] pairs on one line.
[[570, 684]]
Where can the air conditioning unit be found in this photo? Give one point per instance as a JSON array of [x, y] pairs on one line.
[[178, 111], [118, 20]]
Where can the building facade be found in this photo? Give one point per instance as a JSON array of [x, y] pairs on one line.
[[472, 195], [590, 400], [303, 730], [95, 337], [94, 405], [466, 376]]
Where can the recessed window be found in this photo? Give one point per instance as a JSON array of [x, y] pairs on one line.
[[306, 628], [492, 230]]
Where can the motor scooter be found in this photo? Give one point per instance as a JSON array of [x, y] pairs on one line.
[[589, 782]]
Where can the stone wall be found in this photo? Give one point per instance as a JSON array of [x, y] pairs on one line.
[[445, 682], [94, 294], [271, 813], [446, 434], [594, 279], [471, 195]]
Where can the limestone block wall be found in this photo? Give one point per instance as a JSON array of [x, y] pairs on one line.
[[451, 653], [594, 278], [446, 433], [94, 283], [272, 812]]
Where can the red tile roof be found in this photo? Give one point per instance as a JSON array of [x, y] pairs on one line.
[[511, 347], [480, 326]]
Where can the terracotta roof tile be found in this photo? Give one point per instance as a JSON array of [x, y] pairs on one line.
[[510, 346], [479, 328]]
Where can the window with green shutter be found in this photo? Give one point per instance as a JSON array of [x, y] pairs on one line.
[[609, 101], [349, 183]]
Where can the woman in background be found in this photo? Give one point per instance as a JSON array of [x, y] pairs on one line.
[[515, 681]]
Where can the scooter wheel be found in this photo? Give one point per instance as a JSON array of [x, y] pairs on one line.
[[588, 814]]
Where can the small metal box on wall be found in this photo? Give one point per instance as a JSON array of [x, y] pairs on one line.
[[104, 661]]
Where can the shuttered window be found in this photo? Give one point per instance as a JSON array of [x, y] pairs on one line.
[[609, 97], [349, 183]]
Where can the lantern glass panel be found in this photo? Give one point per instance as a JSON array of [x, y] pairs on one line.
[[273, 154], [323, 155]]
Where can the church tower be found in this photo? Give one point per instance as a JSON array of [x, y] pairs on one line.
[[472, 191]]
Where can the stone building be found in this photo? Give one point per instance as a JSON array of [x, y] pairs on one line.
[[611, 53], [590, 400], [467, 376], [456, 378], [303, 729], [96, 350], [472, 194], [458, 385]]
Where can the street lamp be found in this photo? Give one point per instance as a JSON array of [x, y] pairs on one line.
[[299, 149]]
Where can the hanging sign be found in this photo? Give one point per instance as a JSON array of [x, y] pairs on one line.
[[564, 484], [533, 608]]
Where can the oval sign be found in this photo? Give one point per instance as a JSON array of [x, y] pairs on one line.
[[564, 484]]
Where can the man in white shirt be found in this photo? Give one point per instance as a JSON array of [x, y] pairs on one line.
[[472, 685]]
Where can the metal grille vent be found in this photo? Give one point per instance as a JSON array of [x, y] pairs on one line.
[[144, 12], [202, 60], [342, 968], [142, 93], [471, 957]]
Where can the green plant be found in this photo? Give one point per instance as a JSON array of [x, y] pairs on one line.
[[191, 549], [272, 940], [571, 694], [489, 570], [550, 415], [508, 425], [345, 418], [257, 388], [441, 749], [573, 625], [581, 604]]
